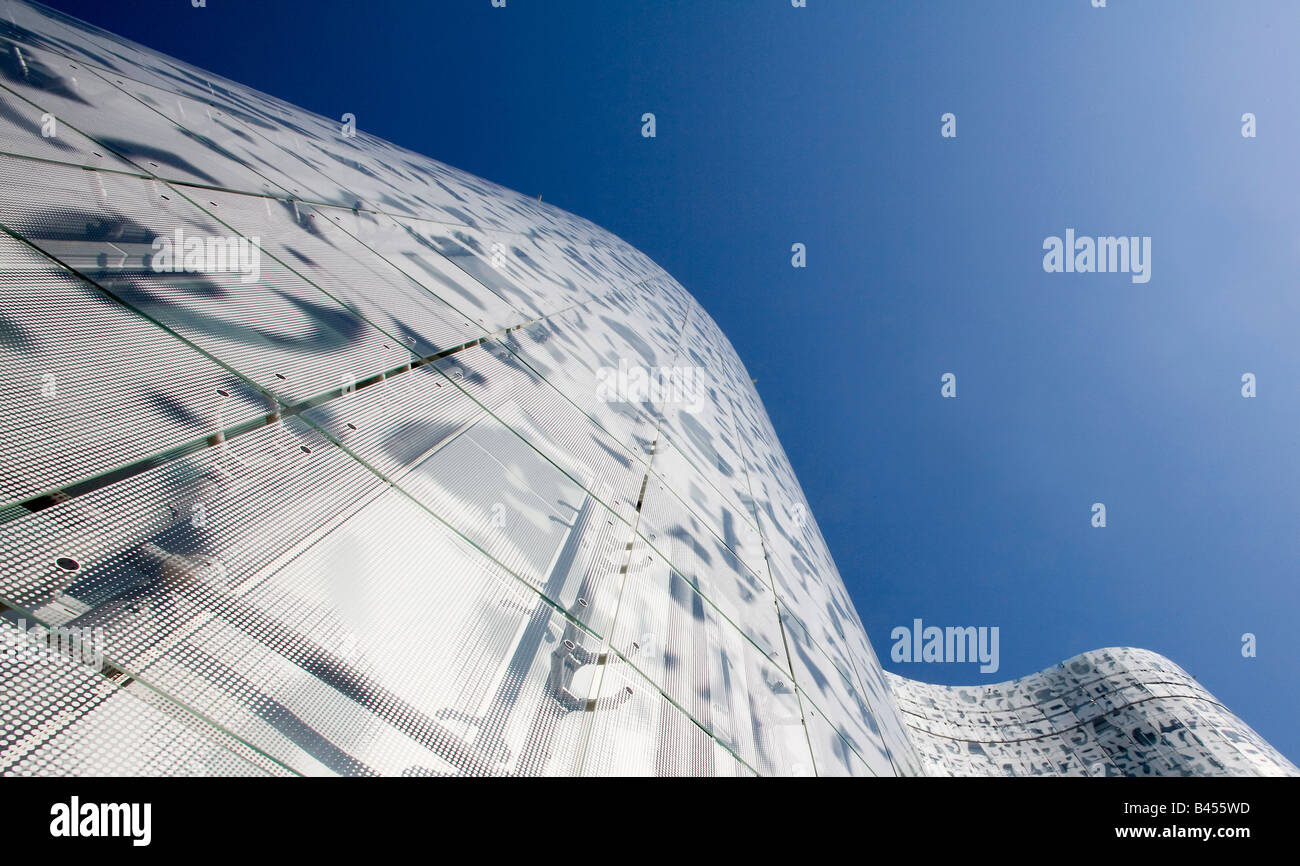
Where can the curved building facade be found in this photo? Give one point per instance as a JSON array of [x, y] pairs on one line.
[[321, 457], [1109, 712]]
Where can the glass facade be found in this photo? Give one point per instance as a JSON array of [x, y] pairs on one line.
[[321, 457]]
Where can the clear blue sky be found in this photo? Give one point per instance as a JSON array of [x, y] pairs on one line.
[[821, 125]]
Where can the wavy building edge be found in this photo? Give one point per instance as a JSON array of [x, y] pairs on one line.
[[1118, 711], [708, 632]]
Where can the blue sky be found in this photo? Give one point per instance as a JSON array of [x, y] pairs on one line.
[[821, 125]]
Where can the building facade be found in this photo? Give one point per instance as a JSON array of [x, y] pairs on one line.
[[1110, 712], [321, 457]]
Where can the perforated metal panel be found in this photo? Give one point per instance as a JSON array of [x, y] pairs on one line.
[[28, 130], [638, 731], [59, 716], [280, 332], [307, 241], [1111, 712], [89, 386], [146, 133]]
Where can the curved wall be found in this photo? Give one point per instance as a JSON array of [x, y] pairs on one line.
[[1109, 712], [321, 457], [401, 498]]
